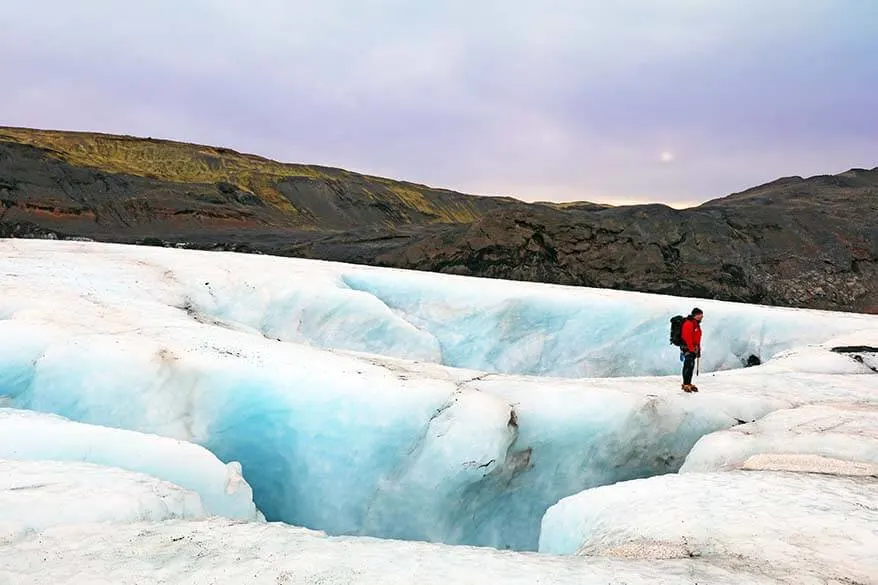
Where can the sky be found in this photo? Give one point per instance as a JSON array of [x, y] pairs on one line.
[[672, 101]]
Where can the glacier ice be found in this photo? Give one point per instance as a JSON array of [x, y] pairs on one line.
[[483, 324], [499, 326], [357, 445], [221, 552], [26, 436], [792, 495], [800, 527], [559, 331], [815, 433], [274, 363], [35, 495]]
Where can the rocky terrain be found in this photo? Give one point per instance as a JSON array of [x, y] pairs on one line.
[[803, 242]]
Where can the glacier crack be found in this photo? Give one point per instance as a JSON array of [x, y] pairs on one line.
[[400, 405]]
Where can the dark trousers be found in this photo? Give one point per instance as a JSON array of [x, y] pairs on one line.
[[688, 367]]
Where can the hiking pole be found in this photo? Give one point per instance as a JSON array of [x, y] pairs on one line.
[[697, 365]]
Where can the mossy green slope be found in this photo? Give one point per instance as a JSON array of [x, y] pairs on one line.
[[185, 163]]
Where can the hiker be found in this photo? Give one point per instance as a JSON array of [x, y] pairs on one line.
[[690, 348]]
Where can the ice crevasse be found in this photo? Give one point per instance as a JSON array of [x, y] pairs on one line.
[[219, 488], [387, 403]]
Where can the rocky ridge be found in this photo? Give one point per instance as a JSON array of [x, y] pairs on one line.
[[803, 242]]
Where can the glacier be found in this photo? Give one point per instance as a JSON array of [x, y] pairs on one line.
[[480, 324], [35, 495], [406, 405], [220, 552], [33, 436], [781, 524], [792, 496], [821, 433]]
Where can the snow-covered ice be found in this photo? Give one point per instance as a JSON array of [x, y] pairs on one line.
[[35, 495], [482, 324], [220, 552], [793, 493], [794, 527], [805, 438], [808, 463], [817, 433], [541, 329], [26, 435], [274, 363]]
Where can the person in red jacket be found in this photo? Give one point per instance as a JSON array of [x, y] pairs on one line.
[[691, 349]]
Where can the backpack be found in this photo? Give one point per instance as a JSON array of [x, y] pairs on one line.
[[677, 330]]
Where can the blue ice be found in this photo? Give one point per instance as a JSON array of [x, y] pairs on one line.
[[505, 327], [185, 345]]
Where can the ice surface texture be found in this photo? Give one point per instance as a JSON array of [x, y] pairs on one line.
[[181, 344], [821, 432], [813, 527], [794, 494], [35, 436], [816, 526], [35, 495], [483, 324], [218, 552]]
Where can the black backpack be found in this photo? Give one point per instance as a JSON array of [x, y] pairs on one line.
[[677, 330]]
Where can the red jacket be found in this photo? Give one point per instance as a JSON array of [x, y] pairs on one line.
[[691, 334]]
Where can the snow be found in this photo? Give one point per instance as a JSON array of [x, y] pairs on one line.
[[539, 329], [808, 463], [495, 325], [31, 436], [220, 552], [799, 527], [35, 495], [483, 324], [274, 363], [806, 438], [792, 493]]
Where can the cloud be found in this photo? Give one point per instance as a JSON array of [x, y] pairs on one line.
[[563, 99]]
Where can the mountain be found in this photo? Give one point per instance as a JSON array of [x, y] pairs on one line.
[[803, 242]]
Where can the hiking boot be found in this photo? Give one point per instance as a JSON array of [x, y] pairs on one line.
[[693, 388], [687, 387]]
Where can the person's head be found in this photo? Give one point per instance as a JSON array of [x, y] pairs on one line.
[[697, 314]]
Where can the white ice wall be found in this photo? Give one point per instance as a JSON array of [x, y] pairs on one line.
[[32, 436], [180, 344]]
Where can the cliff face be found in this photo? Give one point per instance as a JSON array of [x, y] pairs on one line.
[[793, 242]]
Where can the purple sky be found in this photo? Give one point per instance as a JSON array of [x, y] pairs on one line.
[[677, 101]]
